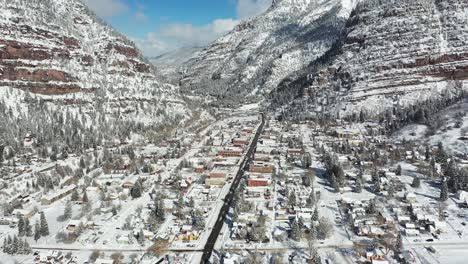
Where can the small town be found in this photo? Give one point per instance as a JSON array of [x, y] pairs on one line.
[[264, 189], [234, 132]]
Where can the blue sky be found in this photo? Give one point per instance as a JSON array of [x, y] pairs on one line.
[[158, 26]]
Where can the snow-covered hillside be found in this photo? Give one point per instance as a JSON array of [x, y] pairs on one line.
[[75, 82], [170, 63], [259, 53], [394, 54], [60, 52]]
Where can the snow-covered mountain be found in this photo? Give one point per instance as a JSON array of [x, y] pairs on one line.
[[259, 53], [59, 51], [366, 55], [393, 54], [171, 62]]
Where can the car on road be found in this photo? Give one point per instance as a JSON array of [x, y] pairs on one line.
[[431, 249], [430, 240]]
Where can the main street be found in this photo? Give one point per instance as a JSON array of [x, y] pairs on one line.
[[209, 246]]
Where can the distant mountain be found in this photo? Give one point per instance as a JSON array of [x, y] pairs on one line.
[[343, 56], [56, 54], [171, 62], [392, 54], [259, 53]]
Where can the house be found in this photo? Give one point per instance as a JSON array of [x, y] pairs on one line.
[[411, 232], [462, 196], [123, 240], [295, 152], [8, 220], [385, 218], [255, 180], [411, 197], [262, 157], [231, 152], [347, 133], [240, 142], [27, 213], [218, 173], [200, 169], [261, 167], [73, 225], [104, 261], [130, 181], [374, 261], [51, 198], [248, 130], [403, 219]]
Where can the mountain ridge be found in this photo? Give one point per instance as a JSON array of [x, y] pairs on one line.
[[258, 53]]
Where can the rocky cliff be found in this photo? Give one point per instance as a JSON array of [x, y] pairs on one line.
[[59, 49], [392, 54], [259, 53]]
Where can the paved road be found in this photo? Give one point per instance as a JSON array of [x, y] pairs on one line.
[[209, 246]]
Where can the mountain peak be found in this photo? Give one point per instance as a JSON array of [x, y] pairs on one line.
[[60, 48], [254, 58]]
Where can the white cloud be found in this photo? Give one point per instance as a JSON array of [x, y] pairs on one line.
[[141, 17], [190, 35], [106, 8], [152, 45], [250, 8]]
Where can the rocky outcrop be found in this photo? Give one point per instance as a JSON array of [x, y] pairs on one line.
[[394, 52], [62, 44], [57, 52]]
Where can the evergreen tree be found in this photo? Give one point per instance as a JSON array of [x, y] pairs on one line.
[[44, 226], [428, 153], [15, 245], [451, 174], [75, 195], [20, 249], [136, 190], [295, 231], [315, 215], [371, 209], [375, 176], [85, 197], [5, 245], [311, 201], [160, 211], [334, 183], [26, 248], [398, 170], [399, 244], [444, 191], [9, 246], [82, 163], [68, 211], [442, 156], [27, 227], [141, 237], [358, 184], [21, 227], [37, 231], [391, 190], [416, 182], [292, 200]]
